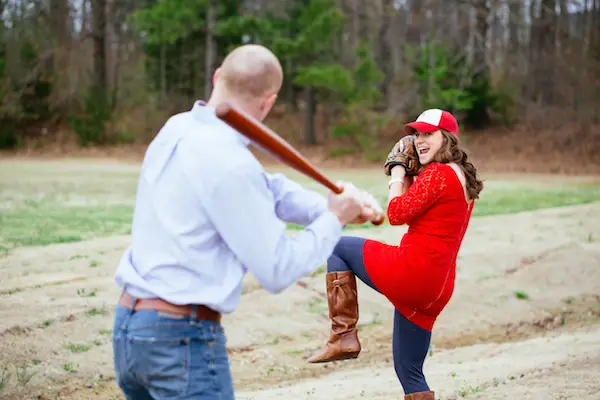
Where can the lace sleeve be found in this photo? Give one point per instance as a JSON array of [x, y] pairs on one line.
[[427, 188]]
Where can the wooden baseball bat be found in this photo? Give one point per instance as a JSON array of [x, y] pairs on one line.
[[271, 141]]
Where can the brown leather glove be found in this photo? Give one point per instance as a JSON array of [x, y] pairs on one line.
[[404, 153]]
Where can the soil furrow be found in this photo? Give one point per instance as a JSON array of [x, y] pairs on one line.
[[55, 325]]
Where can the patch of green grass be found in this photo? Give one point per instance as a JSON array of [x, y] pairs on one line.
[[498, 196], [41, 223], [318, 271], [78, 348], [94, 311], [521, 295], [83, 293], [511, 197], [44, 203], [470, 390], [55, 202]]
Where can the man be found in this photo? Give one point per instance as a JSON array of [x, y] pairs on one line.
[[206, 213]]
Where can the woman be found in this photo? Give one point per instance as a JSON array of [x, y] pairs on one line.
[[418, 275]]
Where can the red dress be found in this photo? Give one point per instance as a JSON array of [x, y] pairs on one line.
[[418, 275]]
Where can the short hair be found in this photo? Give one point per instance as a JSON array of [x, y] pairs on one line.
[[251, 71]]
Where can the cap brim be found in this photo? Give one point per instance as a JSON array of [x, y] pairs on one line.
[[409, 129]]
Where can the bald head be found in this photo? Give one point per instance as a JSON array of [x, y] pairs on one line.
[[251, 71]]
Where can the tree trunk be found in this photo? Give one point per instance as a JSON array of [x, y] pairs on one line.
[[482, 12], [311, 111], [515, 46], [290, 92], [163, 72], [347, 34], [2, 48], [211, 47], [544, 63], [416, 22], [397, 94], [99, 32], [384, 56], [356, 29], [479, 115]]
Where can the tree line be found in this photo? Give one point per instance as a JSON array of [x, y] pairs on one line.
[[112, 70]]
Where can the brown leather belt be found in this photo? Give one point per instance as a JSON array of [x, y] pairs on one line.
[[202, 312]]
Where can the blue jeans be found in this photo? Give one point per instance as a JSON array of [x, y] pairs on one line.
[[165, 356]]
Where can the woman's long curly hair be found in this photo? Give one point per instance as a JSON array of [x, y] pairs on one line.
[[451, 151]]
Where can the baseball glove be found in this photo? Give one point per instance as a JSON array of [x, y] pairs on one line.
[[404, 153]]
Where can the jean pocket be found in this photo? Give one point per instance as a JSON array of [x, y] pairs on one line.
[[210, 370], [162, 363]]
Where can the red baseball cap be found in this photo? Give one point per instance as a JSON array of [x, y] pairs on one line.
[[431, 120]]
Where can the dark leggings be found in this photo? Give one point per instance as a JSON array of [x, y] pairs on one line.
[[410, 343]]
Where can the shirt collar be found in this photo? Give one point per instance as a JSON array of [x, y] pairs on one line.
[[205, 113]]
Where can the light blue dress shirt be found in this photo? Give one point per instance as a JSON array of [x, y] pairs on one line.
[[206, 213]]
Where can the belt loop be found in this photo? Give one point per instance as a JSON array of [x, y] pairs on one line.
[[194, 314], [133, 302], [130, 311], [132, 305]]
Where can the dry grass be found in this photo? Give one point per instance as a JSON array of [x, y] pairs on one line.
[[524, 321], [45, 202]]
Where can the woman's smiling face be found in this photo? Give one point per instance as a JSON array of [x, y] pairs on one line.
[[428, 144]]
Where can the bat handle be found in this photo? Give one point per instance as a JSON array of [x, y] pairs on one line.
[[379, 220]]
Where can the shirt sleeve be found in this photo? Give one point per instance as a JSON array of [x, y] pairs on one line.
[[293, 203], [426, 190], [242, 208]]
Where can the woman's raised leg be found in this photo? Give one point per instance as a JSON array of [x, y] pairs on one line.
[[348, 256], [345, 263]]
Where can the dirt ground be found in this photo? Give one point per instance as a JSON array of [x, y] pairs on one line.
[[524, 321]]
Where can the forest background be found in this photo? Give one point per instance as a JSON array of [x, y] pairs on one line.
[[100, 77]]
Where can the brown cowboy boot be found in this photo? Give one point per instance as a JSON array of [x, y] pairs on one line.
[[420, 396], [343, 310]]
